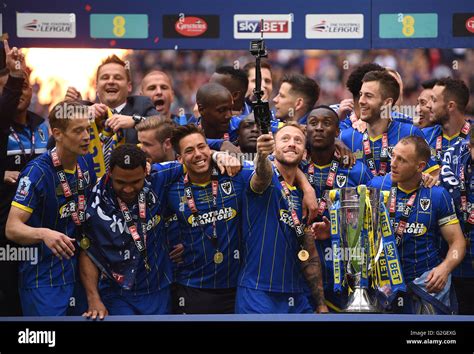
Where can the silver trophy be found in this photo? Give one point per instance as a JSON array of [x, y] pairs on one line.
[[359, 245]]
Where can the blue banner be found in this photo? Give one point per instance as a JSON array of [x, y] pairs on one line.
[[207, 24]]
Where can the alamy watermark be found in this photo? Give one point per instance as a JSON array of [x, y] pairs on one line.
[[70, 111], [15, 253], [345, 254], [389, 111], [28, 336]]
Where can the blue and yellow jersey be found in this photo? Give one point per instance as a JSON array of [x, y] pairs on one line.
[[40, 194], [111, 243], [199, 269], [173, 236], [396, 131], [345, 177], [15, 158], [401, 117], [456, 158], [433, 208], [432, 134], [347, 123], [270, 247]]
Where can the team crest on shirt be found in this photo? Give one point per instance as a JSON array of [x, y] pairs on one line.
[[41, 134], [341, 180], [390, 151], [23, 188], [227, 187], [425, 203], [87, 177]]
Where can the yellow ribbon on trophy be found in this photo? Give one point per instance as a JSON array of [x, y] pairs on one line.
[[382, 276]]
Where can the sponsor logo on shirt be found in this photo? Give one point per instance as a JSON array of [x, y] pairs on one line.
[[223, 214], [413, 228]]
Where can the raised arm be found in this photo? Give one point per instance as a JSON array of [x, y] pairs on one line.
[[262, 177]]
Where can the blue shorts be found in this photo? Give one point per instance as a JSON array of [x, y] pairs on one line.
[[259, 301], [126, 303], [47, 301], [78, 305]]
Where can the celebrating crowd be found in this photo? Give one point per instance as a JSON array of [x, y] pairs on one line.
[[133, 208]]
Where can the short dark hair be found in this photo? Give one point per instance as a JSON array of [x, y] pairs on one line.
[[183, 131], [389, 87], [455, 90], [113, 59], [354, 81], [163, 127], [333, 112], [304, 86], [251, 65], [128, 157], [422, 149], [238, 75], [61, 114], [428, 84]]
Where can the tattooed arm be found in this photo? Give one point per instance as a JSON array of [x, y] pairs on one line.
[[262, 177], [312, 272]]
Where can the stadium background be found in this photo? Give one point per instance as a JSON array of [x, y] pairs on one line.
[[413, 31]]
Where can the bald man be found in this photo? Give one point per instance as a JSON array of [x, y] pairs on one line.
[[157, 85], [215, 103]]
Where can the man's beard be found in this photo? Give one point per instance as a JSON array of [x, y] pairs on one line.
[[286, 163], [441, 119]]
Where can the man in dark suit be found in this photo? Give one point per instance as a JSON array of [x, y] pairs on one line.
[[113, 86]]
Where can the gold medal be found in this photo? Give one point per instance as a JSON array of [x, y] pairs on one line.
[[218, 257], [303, 255], [85, 243]]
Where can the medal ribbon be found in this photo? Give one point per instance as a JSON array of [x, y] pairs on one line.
[[299, 228], [369, 155], [188, 192], [329, 182], [439, 141], [141, 245], [468, 216], [78, 214], [22, 147], [402, 224]]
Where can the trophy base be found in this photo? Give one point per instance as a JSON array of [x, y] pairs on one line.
[[359, 301]]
